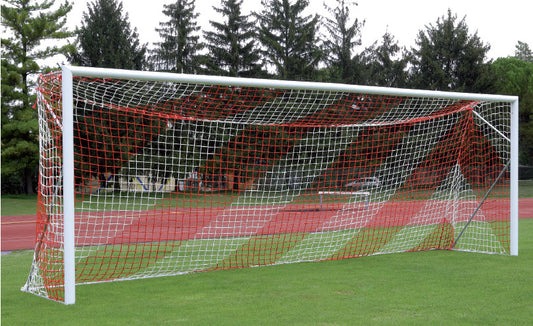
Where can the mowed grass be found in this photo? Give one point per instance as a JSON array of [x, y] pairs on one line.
[[525, 189], [420, 288], [19, 205]]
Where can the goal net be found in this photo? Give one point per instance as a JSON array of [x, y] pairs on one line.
[[155, 174]]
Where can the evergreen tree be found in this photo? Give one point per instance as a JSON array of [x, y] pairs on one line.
[[178, 51], [384, 64], [289, 39], [523, 52], [343, 37], [29, 28], [232, 48], [448, 57], [515, 77], [106, 39]]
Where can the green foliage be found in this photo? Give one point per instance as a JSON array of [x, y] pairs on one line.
[[106, 40], [28, 24], [343, 37], [20, 151], [384, 64], [515, 77], [178, 51], [523, 52], [106, 139], [196, 139], [449, 58], [253, 150], [232, 46], [289, 39]]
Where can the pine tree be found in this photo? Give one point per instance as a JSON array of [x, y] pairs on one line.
[[106, 39], [384, 64], [523, 52], [178, 51], [449, 58], [232, 48], [343, 37], [289, 39], [33, 30]]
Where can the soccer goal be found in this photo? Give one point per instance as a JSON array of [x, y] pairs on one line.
[[146, 174]]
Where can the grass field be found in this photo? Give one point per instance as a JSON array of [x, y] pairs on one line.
[[422, 288], [19, 205], [526, 189]]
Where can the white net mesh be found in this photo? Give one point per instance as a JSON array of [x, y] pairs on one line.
[[174, 177]]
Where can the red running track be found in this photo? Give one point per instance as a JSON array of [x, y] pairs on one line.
[[18, 232]]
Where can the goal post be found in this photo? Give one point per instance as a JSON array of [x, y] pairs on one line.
[[147, 174], [68, 187]]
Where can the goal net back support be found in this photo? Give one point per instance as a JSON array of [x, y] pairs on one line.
[[155, 174]]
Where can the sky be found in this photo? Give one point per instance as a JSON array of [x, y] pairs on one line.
[[499, 23]]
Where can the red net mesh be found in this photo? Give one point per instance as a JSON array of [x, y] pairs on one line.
[[175, 178]]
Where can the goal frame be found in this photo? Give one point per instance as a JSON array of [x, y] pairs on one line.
[[68, 72]]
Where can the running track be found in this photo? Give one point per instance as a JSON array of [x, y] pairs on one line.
[[18, 232]]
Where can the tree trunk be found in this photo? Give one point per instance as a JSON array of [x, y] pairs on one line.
[[28, 176]]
